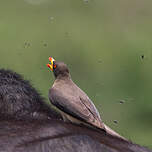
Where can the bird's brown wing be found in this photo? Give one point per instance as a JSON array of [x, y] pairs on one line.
[[76, 107]]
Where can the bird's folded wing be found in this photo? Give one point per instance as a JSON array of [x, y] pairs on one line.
[[76, 107]]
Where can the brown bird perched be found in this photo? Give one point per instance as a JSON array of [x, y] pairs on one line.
[[73, 103]]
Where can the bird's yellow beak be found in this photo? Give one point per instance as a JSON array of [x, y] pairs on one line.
[[51, 63]]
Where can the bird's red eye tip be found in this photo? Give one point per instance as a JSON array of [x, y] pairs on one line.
[[50, 58]]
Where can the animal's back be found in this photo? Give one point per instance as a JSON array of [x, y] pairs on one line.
[[19, 100]]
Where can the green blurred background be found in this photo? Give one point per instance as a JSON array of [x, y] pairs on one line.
[[106, 44]]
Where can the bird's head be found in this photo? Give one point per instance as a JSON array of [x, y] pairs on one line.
[[59, 69]]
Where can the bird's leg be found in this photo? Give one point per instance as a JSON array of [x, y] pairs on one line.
[[65, 118]]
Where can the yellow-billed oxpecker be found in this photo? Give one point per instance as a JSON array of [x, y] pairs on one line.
[[73, 103]]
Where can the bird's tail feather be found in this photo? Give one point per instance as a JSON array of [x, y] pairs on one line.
[[112, 132]]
